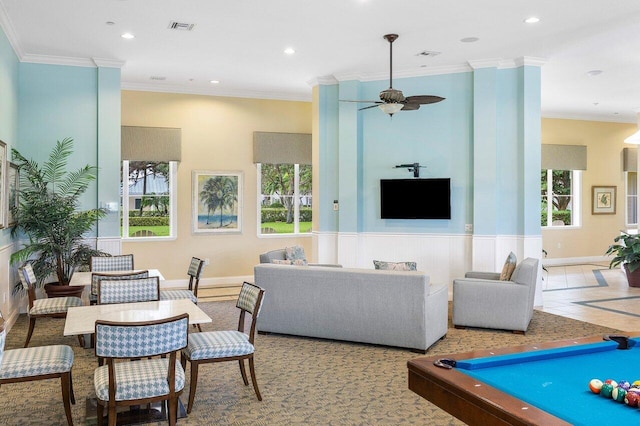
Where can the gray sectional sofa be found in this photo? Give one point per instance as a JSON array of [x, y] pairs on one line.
[[393, 308]]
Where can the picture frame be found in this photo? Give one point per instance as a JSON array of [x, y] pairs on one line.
[[3, 184], [603, 200], [216, 202], [12, 185]]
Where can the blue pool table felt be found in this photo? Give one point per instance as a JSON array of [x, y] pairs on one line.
[[557, 380]]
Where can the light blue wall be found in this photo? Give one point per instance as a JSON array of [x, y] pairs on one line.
[[83, 103], [8, 105], [483, 136], [328, 149]]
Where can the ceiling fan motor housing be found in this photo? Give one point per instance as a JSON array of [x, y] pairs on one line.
[[391, 96]]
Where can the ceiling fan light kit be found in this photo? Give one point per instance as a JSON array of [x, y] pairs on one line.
[[393, 100]]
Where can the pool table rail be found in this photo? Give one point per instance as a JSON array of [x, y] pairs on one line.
[[477, 403]]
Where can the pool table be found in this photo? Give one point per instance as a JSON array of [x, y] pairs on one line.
[[539, 384]]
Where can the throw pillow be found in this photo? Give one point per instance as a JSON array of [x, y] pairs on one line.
[[294, 253], [395, 266], [508, 268], [297, 262]]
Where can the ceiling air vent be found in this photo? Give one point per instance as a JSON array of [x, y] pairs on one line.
[[158, 78], [428, 53], [180, 26]]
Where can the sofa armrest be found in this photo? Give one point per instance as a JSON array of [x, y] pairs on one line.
[[483, 275]]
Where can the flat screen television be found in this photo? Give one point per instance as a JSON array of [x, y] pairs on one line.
[[415, 198]]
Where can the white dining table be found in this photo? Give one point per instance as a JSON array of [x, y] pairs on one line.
[[84, 278], [82, 319]]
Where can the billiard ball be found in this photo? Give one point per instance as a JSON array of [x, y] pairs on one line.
[[611, 382], [606, 390], [618, 394], [636, 384], [595, 385], [624, 384], [631, 399]]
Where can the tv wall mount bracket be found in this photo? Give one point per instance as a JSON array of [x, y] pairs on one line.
[[414, 167]]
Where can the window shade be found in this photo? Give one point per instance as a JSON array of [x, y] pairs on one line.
[[159, 144], [281, 148], [629, 159], [564, 157]]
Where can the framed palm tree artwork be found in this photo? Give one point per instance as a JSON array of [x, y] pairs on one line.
[[217, 202]]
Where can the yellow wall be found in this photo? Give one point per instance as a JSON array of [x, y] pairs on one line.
[[604, 143], [217, 135]]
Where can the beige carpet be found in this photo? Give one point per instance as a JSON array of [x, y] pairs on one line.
[[303, 381]]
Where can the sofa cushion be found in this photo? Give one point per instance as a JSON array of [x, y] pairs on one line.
[[294, 253], [296, 262], [508, 268], [395, 266]]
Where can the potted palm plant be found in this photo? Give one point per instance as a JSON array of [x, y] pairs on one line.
[[626, 251], [47, 213]]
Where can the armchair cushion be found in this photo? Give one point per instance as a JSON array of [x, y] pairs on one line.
[[395, 266], [509, 267], [54, 305], [218, 344]]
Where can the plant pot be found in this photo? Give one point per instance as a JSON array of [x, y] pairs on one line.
[[633, 278], [56, 290]]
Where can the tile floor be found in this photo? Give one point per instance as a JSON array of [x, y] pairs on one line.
[[592, 293]]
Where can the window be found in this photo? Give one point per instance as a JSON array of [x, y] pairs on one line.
[[632, 199], [148, 199], [284, 204], [560, 193]]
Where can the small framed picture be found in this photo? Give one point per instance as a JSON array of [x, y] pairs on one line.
[[603, 200], [217, 202]]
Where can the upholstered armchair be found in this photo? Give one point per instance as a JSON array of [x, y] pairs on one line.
[[489, 302], [294, 255]]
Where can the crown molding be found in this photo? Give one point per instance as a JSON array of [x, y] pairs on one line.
[[58, 60], [108, 63], [326, 80], [587, 117], [530, 61], [168, 88], [7, 27]]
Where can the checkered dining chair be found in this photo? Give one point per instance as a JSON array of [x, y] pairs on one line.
[[96, 277], [38, 363], [55, 307], [227, 345], [141, 380], [191, 292], [128, 291], [121, 262]]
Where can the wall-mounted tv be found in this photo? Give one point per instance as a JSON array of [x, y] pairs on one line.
[[415, 198]]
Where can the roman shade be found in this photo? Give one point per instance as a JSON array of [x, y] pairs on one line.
[[281, 148], [629, 159], [160, 144], [564, 157]]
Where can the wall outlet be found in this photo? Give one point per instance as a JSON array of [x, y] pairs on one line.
[[468, 227], [335, 205], [206, 261]]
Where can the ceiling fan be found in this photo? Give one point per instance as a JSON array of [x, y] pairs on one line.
[[392, 100]]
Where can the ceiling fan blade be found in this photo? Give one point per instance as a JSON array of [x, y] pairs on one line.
[[369, 102], [370, 106], [410, 107], [423, 99]]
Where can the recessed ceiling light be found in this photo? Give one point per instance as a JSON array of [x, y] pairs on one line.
[[110, 23], [469, 39], [594, 73], [214, 81], [289, 51], [128, 36], [532, 20]]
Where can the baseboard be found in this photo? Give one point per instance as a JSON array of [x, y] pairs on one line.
[[208, 282]]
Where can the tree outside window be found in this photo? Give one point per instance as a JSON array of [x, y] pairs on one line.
[[558, 197], [146, 199], [286, 199]]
